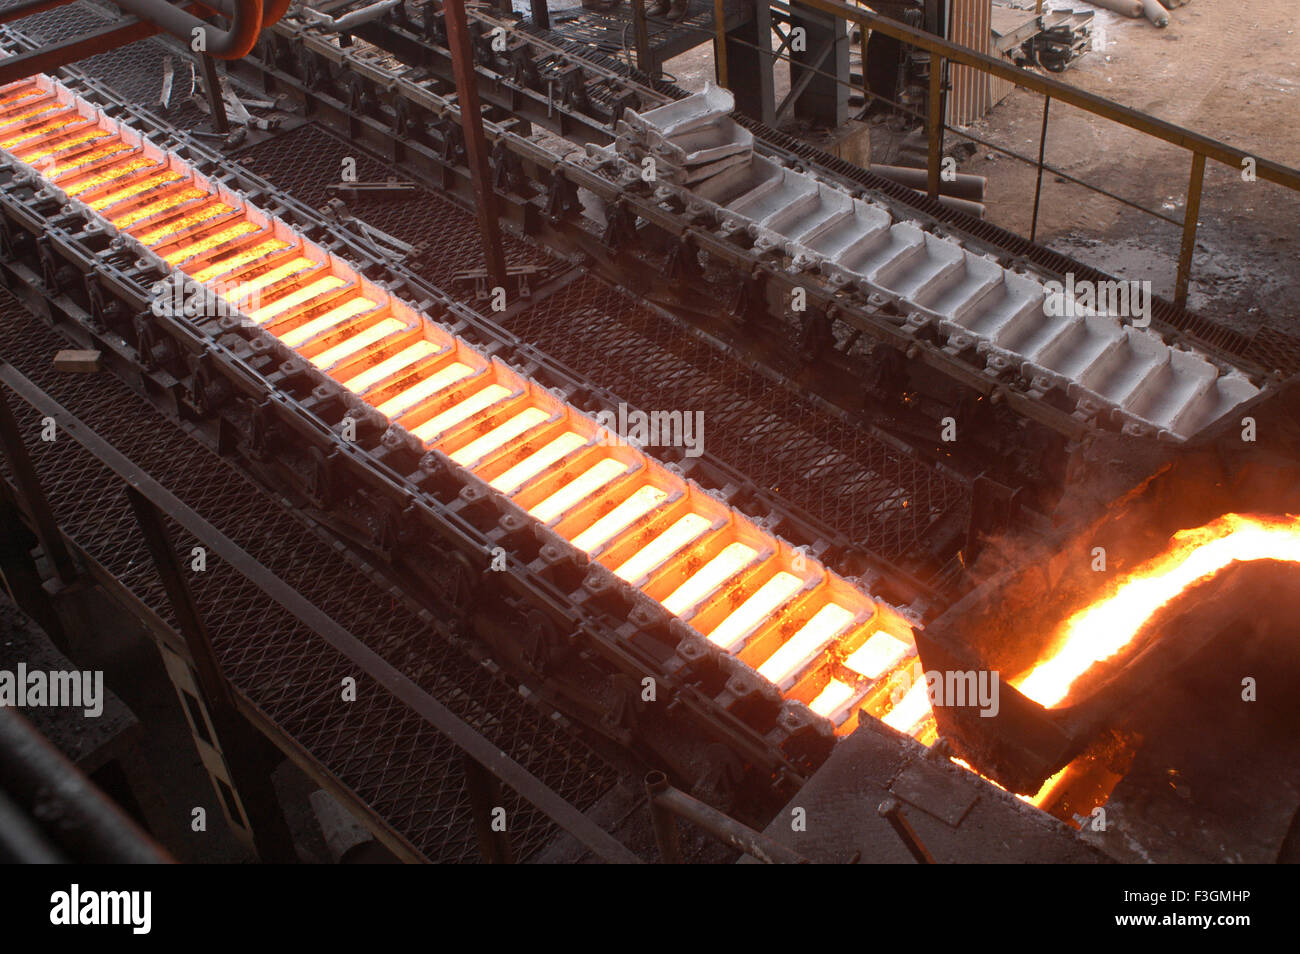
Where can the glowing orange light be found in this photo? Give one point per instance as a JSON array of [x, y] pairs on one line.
[[578, 489], [750, 614], [651, 527], [813, 637], [126, 219], [1104, 628], [651, 556], [391, 366], [733, 558], [627, 512], [879, 654], [832, 698], [106, 175], [128, 191], [511, 480]]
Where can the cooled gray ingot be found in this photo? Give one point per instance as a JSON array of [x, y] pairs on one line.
[[1012, 318], [684, 115]]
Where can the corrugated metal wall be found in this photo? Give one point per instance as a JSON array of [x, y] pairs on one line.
[[973, 93]]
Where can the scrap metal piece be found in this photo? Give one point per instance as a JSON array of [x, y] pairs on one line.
[[169, 74]]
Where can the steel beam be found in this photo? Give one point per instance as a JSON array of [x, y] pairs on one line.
[[29, 7], [935, 123], [749, 54], [668, 803], [644, 57], [19, 571], [1190, 216], [485, 802], [824, 96], [471, 121], [234, 743], [216, 102], [48, 59], [1038, 185], [720, 42]]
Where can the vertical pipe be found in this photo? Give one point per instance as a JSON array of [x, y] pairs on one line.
[[642, 31], [936, 125], [216, 102], [1189, 229], [866, 91], [471, 121], [720, 41], [540, 14], [1038, 186]]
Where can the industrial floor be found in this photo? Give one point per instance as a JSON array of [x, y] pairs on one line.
[[1228, 70]]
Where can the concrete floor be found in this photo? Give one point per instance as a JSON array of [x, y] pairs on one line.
[[1230, 71]]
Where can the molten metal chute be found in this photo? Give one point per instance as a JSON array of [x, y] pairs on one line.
[[1110, 624]]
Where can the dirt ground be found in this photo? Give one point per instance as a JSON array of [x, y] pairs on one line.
[[1226, 69]]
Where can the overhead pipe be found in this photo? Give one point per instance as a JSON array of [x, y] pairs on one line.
[[245, 16], [273, 10]]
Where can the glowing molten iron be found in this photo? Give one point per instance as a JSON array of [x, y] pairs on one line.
[[821, 640], [1106, 627]]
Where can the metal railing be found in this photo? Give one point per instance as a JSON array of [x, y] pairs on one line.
[[945, 52]]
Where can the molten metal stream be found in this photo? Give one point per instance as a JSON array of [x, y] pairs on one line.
[[1105, 628], [817, 638]]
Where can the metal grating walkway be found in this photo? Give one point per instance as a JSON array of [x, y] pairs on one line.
[[408, 773]]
